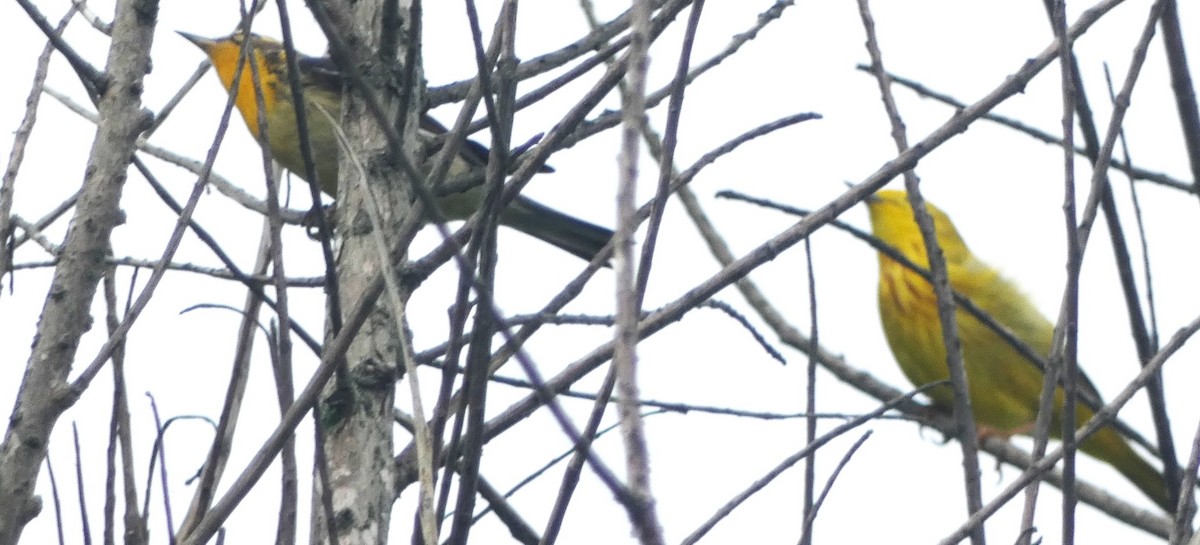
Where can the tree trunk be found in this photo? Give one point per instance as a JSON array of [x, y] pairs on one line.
[[66, 314], [356, 411]]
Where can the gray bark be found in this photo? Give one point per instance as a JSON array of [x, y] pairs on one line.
[[357, 405], [66, 314]]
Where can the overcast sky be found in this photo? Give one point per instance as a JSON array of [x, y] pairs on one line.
[[1003, 189]]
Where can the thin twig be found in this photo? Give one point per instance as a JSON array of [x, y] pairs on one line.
[[85, 527], [788, 462], [810, 517], [1181, 85], [810, 405], [1160, 527], [56, 501], [20, 139], [964, 415], [1086, 390], [1133, 171], [1181, 530]]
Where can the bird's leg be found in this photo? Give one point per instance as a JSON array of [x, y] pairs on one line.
[[985, 432], [311, 223]]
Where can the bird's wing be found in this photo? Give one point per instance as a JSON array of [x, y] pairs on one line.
[[324, 73], [1009, 306]]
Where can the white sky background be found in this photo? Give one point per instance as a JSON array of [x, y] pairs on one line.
[[1003, 190]]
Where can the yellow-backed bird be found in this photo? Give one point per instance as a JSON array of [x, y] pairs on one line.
[[1004, 387], [322, 86]]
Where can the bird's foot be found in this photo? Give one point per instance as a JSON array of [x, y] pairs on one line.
[[313, 220], [985, 432]]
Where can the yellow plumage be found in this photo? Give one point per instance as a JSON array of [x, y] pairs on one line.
[[1003, 387], [323, 86]]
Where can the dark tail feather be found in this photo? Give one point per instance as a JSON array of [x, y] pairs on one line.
[[571, 234], [1147, 479], [1108, 445]]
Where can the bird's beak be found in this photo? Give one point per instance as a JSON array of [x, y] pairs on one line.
[[202, 43]]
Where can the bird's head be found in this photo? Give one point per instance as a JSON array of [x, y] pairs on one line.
[[893, 222], [223, 53], [225, 50]]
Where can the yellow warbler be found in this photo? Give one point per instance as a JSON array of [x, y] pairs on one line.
[[1004, 389], [323, 86]]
